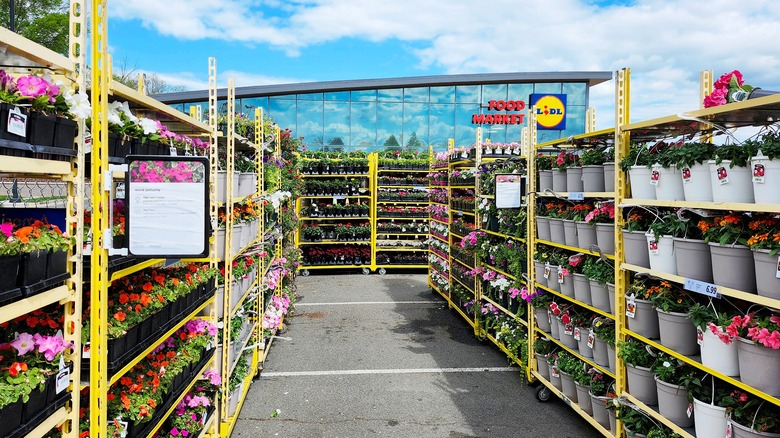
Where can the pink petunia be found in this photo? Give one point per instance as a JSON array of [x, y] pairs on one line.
[[23, 344]]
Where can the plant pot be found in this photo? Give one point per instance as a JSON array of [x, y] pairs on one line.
[[247, 184], [35, 404], [710, 420], [733, 266], [609, 177], [611, 293], [40, 128], [586, 235], [235, 242], [12, 417], [693, 259], [220, 238], [559, 180], [9, 271], [568, 387], [766, 179], [742, 431], [32, 268], [719, 356], [582, 344], [593, 178], [673, 403], [605, 237], [631, 433], [539, 273], [56, 263], [696, 183], [543, 227], [635, 244], [669, 185], [570, 232], [661, 253], [545, 180], [759, 366], [567, 340], [582, 288], [583, 398], [567, 287], [641, 384], [556, 381], [552, 279], [540, 314], [221, 186], [612, 356], [600, 354], [639, 177], [5, 108], [645, 320], [556, 231], [599, 296], [541, 366], [599, 408], [574, 179], [731, 184], [767, 284], [554, 328], [677, 332]]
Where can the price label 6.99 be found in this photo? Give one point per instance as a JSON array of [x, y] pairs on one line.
[[701, 287]]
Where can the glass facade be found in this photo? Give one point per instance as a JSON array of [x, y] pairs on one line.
[[413, 117]]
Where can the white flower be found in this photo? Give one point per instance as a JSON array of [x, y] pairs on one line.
[[123, 107], [149, 126], [78, 104], [667, 364]]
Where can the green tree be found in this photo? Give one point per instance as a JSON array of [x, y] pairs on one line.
[[392, 144], [414, 143], [42, 21], [154, 84]]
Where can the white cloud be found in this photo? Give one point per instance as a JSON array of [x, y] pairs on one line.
[[664, 42], [191, 81]]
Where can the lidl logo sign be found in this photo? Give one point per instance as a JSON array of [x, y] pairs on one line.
[[550, 110]]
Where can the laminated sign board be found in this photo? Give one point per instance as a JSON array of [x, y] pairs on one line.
[[168, 206], [510, 190]]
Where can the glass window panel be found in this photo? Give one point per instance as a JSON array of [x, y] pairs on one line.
[[364, 95], [494, 92], [310, 96], [575, 120], [548, 87], [337, 95], [283, 97], [390, 95], [520, 92], [514, 133], [443, 94], [467, 94], [390, 118], [441, 125], [364, 121], [310, 122], [248, 105], [575, 93], [545, 136], [337, 123], [417, 94], [496, 133], [416, 126], [283, 113], [465, 132]]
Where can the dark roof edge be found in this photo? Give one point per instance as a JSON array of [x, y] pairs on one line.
[[592, 77]]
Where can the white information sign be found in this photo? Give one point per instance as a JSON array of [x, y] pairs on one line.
[[168, 210], [509, 190]]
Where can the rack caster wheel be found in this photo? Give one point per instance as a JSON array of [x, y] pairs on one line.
[[382, 271], [366, 271], [543, 394], [305, 273]]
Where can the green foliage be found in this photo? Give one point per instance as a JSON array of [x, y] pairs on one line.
[[593, 157], [671, 370], [239, 373], [700, 315], [634, 420], [605, 330], [42, 21], [738, 154], [635, 353], [681, 154], [597, 270], [544, 346]]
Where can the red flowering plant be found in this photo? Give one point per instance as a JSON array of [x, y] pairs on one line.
[[565, 160], [761, 327], [752, 412], [730, 87]]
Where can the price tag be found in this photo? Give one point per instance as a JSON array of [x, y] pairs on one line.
[[63, 380], [17, 122], [631, 306], [777, 272], [336, 198], [549, 317], [699, 335], [759, 172], [701, 287], [591, 338], [546, 271], [560, 276], [686, 175], [568, 329], [576, 196], [577, 334], [85, 351], [121, 426], [653, 247], [554, 371], [173, 151], [723, 175], [729, 430], [690, 410], [655, 177]]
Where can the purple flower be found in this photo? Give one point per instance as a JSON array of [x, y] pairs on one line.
[[174, 431], [7, 228], [23, 344]]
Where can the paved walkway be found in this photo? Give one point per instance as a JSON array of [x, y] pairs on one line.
[[382, 356]]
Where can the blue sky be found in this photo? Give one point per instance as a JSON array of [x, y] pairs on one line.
[[664, 42]]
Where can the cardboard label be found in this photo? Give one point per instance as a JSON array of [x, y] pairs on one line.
[[777, 271], [723, 175], [549, 317], [699, 335], [577, 334], [652, 246], [729, 429], [568, 329], [63, 380], [17, 122], [631, 306], [560, 276], [546, 271], [554, 371], [759, 173], [686, 175], [689, 411], [591, 338], [655, 177]]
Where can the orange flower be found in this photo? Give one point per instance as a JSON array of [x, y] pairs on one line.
[[145, 299], [23, 234], [148, 286], [776, 237], [123, 298], [126, 381], [151, 403], [160, 279], [756, 238], [729, 219], [704, 226], [125, 400], [175, 281], [120, 316]]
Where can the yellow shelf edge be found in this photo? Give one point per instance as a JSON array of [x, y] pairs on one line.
[[123, 91], [18, 45], [402, 266], [469, 288], [607, 132], [505, 310], [736, 206], [402, 249], [231, 423], [334, 267], [336, 242], [57, 418], [135, 268], [470, 321], [244, 343], [439, 239], [26, 305], [22, 165], [485, 265], [506, 236], [574, 301]]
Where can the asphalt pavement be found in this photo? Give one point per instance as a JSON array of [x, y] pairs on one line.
[[370, 355]]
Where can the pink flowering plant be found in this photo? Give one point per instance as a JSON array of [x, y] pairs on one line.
[[190, 415], [730, 87], [605, 213], [760, 327], [36, 350]]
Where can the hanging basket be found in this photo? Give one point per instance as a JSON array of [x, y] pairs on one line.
[[574, 179], [669, 184], [641, 384], [593, 178], [635, 244], [568, 387], [609, 177], [545, 180], [586, 235], [696, 183], [661, 253], [639, 176], [543, 228], [559, 180], [767, 283], [731, 184], [759, 366], [677, 332], [570, 232], [673, 403], [733, 266], [710, 420], [645, 320], [693, 259], [719, 356]]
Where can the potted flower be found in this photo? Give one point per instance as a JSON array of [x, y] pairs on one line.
[[635, 227], [10, 257], [637, 164], [639, 361], [603, 219], [598, 273], [563, 161], [730, 176], [544, 165], [732, 260], [635, 423], [582, 382], [676, 330], [752, 417], [569, 367], [604, 343], [764, 167], [718, 351], [757, 335], [600, 397], [593, 169], [540, 302], [730, 87], [710, 400], [674, 380], [642, 318], [765, 244]]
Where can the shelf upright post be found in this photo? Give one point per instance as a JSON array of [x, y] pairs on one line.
[[529, 140], [705, 88], [450, 148], [477, 219], [99, 280], [373, 171], [622, 143], [590, 120]]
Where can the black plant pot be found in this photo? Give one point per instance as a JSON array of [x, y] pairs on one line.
[[117, 348], [9, 271], [35, 404], [40, 128], [57, 263], [32, 268], [65, 133], [4, 112], [12, 417]]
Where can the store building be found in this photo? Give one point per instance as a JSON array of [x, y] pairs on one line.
[[415, 112]]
